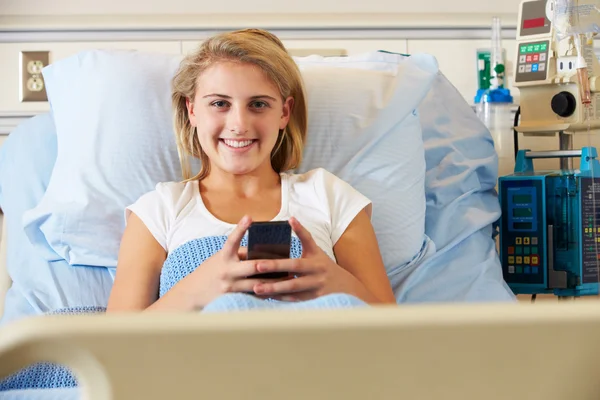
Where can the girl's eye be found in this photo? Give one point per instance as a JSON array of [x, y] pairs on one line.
[[219, 103], [259, 104]]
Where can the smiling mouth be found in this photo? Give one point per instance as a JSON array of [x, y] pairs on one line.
[[238, 144]]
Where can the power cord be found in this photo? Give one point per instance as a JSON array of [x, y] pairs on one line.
[[515, 133]]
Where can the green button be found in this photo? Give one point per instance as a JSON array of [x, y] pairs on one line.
[[526, 251], [530, 48], [536, 48], [543, 46], [519, 270], [523, 49], [534, 250], [519, 250]]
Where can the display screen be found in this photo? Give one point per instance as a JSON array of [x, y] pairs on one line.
[[522, 212], [522, 198], [522, 225], [533, 19], [533, 23]]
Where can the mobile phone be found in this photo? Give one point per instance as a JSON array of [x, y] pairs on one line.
[[268, 241]]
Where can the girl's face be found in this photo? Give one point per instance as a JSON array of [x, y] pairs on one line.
[[238, 113]]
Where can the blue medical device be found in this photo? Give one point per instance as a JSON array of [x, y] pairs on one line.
[[550, 226]]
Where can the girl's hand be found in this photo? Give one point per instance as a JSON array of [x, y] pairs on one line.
[[316, 274], [226, 271]]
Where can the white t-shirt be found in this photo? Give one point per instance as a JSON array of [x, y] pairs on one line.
[[323, 203]]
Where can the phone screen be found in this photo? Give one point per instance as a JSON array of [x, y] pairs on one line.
[[268, 241]]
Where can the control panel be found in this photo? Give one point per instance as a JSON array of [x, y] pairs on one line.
[[533, 61], [522, 241], [533, 42]]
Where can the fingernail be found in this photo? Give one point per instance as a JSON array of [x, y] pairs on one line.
[[258, 289]]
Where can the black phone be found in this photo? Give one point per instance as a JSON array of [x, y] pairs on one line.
[[267, 241]]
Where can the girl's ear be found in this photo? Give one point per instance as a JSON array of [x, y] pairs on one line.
[[190, 110], [288, 106]]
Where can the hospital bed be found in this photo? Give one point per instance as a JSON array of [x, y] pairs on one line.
[[423, 158]]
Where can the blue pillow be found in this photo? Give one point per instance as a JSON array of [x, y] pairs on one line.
[[26, 162], [462, 167], [27, 159]]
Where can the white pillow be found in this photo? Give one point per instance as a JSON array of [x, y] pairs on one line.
[[364, 128], [115, 142]]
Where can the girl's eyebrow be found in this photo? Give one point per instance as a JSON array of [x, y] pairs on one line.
[[224, 96]]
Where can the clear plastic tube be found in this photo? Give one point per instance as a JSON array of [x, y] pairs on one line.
[[496, 56], [582, 73], [584, 86]]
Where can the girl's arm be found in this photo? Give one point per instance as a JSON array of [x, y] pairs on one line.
[[136, 285], [357, 251]]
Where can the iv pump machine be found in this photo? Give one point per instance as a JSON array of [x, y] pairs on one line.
[[549, 235], [550, 223]]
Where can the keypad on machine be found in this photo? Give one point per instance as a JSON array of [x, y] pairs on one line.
[[532, 58], [524, 256]]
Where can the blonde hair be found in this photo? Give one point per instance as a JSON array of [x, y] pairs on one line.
[[252, 46]]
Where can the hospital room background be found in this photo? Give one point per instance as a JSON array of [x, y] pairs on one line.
[[456, 38], [458, 34]]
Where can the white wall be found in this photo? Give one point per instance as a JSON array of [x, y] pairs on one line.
[[137, 7]]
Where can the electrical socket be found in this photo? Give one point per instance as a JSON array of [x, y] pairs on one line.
[[32, 82]]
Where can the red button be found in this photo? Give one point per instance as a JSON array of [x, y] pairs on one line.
[[536, 57], [511, 250], [528, 59]]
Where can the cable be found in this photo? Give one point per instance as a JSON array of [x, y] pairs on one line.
[[533, 296], [515, 133]]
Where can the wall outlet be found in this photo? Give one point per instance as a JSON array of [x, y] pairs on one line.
[[32, 86]]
